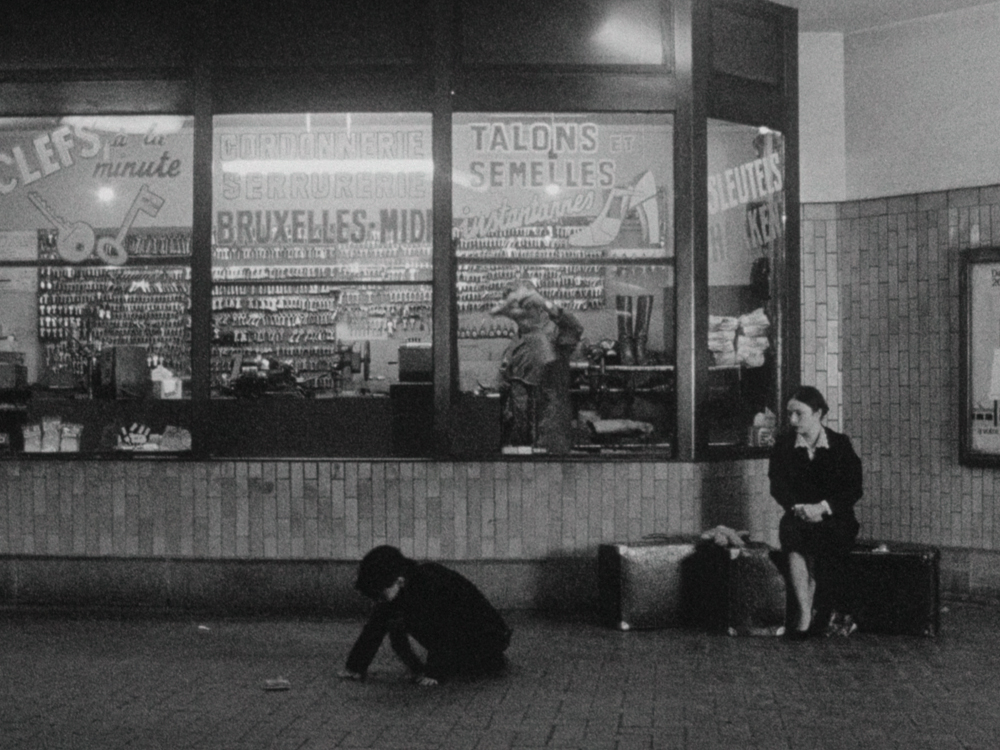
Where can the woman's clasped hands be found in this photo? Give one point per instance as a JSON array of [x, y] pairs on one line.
[[810, 512]]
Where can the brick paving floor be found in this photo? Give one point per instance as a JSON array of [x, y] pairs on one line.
[[93, 683]]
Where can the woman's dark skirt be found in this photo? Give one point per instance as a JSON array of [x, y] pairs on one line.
[[828, 544]]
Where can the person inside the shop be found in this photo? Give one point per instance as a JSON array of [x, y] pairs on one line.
[[535, 370], [816, 477], [439, 608]]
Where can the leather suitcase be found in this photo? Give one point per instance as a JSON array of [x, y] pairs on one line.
[[895, 588], [738, 590], [688, 582], [640, 584]]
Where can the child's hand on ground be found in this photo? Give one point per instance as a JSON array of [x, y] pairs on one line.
[[425, 681]]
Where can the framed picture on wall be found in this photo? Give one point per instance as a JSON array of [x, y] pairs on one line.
[[980, 357]]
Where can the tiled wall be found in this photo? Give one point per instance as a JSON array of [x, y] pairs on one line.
[[880, 337], [338, 509], [891, 270], [820, 290]]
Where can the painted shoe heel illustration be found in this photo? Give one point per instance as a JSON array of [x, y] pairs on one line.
[[604, 228], [644, 202], [606, 225]]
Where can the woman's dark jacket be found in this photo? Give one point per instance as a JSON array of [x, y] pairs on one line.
[[834, 474], [445, 613]]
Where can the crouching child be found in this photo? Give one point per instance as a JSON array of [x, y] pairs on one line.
[[439, 608]]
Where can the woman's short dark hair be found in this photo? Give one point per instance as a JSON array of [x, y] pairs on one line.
[[811, 397]]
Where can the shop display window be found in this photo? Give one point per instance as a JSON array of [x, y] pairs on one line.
[[278, 268], [563, 236], [567, 32], [321, 254], [95, 278], [746, 243]]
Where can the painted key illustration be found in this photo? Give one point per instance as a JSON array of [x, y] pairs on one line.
[[112, 249], [75, 242]]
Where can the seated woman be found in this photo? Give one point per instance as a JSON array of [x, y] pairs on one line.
[[816, 477]]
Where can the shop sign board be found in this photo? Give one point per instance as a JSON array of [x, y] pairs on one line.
[[92, 180], [322, 179], [599, 184]]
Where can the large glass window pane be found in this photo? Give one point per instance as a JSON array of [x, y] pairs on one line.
[[320, 33], [563, 231], [569, 32], [746, 208], [321, 255], [95, 232]]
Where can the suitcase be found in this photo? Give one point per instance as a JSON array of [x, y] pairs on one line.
[[895, 588], [640, 584], [737, 590], [689, 582]]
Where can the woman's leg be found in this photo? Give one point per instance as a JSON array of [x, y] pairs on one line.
[[830, 568], [800, 571]]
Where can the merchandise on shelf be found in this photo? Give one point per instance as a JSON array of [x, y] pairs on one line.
[[83, 309], [306, 306]]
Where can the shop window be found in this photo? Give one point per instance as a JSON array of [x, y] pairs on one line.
[[563, 234], [95, 244], [321, 255], [253, 33], [746, 242], [566, 32]]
